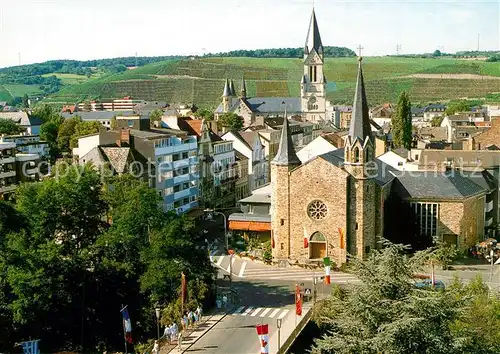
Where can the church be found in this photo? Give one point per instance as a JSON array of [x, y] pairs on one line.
[[341, 203], [311, 106]]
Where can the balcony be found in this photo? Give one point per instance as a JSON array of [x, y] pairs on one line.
[[7, 159], [181, 178], [488, 206], [488, 222], [7, 174], [182, 194], [8, 189]]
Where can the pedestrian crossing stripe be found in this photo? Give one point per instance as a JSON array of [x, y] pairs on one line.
[[261, 312]]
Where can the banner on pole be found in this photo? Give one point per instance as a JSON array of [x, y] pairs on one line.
[[127, 325], [263, 333], [298, 301], [327, 263], [183, 288], [341, 234], [306, 238]]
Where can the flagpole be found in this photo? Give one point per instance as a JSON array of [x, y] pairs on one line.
[[124, 334]]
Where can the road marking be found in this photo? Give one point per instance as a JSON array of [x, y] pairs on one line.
[[274, 313], [242, 269], [219, 261], [264, 313], [248, 310], [239, 310], [283, 314], [256, 312]]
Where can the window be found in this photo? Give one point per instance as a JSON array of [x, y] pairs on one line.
[[185, 155], [130, 123], [427, 217], [317, 210], [176, 157], [168, 191], [170, 206], [177, 188], [400, 163], [282, 222], [356, 154]]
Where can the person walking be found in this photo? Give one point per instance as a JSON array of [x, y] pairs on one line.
[[191, 318], [167, 333], [179, 341], [198, 312], [156, 348]]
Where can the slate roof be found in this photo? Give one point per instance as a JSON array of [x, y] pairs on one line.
[[238, 136], [274, 104], [189, 125], [360, 121], [383, 175], [437, 185], [286, 154], [227, 89], [3, 103], [401, 152], [437, 133], [434, 106], [249, 137], [231, 88], [313, 39], [117, 157]]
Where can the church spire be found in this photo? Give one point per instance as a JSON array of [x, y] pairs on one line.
[[286, 155], [231, 88], [243, 91], [313, 40], [360, 121], [227, 89]]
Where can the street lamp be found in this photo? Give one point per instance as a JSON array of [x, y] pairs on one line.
[[227, 244], [157, 312], [278, 324]]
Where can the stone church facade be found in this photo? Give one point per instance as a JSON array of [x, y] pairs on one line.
[[310, 106]]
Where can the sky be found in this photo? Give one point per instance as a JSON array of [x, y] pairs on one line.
[[40, 30]]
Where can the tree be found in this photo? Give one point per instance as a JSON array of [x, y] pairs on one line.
[[9, 127], [437, 53], [387, 314], [401, 122], [83, 128], [26, 102], [230, 121], [436, 121], [113, 124], [204, 114], [66, 132], [156, 116], [457, 107]]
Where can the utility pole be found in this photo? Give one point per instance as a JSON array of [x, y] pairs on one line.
[[136, 59], [398, 49], [478, 35], [359, 48], [19, 58]]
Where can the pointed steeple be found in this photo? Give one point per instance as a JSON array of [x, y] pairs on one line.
[[313, 40], [360, 120], [286, 155], [227, 90], [243, 91], [231, 88]]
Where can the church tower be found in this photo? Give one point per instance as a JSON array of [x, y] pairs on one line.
[[226, 97], [313, 83], [359, 162], [285, 160], [243, 90]]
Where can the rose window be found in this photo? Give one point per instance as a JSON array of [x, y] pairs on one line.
[[317, 210]]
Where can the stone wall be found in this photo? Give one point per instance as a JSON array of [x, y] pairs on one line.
[[280, 217], [318, 180]]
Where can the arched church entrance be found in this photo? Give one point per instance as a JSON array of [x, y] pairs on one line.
[[317, 246]]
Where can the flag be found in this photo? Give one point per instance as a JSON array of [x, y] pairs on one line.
[[306, 239], [263, 333], [341, 233], [30, 347], [183, 288], [127, 325], [298, 301], [327, 263]]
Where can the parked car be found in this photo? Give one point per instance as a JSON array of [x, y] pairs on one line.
[[427, 283]]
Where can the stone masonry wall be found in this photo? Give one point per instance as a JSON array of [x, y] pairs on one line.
[[279, 211], [450, 218], [318, 180]]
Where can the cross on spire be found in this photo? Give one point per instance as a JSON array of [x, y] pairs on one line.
[[359, 48]]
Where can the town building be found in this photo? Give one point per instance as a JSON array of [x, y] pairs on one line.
[[28, 144], [312, 103], [105, 118], [166, 158], [241, 186], [433, 110], [461, 126], [249, 144], [28, 123]]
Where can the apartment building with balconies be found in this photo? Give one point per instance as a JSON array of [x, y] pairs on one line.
[[7, 169]]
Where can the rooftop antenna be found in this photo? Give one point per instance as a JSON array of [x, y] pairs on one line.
[[359, 48], [478, 42]]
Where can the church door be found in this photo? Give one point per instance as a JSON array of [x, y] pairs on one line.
[[317, 246]]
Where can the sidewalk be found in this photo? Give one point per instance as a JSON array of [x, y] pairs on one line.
[[190, 336], [290, 329]]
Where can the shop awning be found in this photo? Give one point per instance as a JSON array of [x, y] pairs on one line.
[[249, 225]]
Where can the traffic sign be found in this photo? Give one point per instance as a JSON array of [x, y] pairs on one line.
[[307, 291]]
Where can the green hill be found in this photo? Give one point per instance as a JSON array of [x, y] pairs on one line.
[[201, 80]]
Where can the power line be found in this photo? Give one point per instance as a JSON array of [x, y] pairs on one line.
[[359, 48], [398, 49]]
